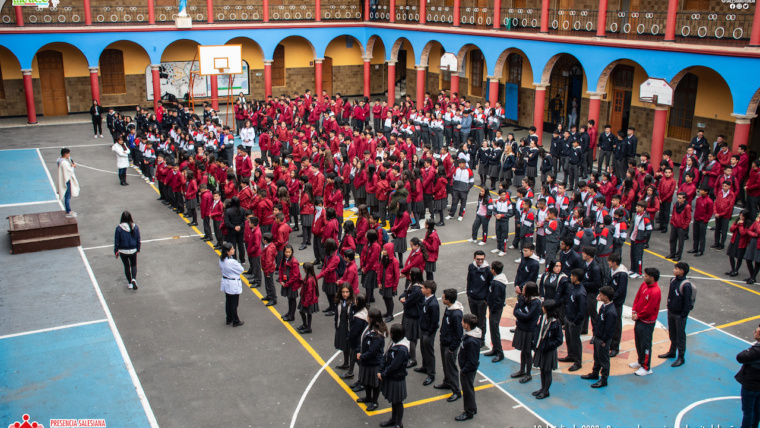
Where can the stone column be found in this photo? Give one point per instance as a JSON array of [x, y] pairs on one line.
[[268, 78], [741, 130], [94, 84], [391, 83], [658, 134], [318, 79], [156, 85], [538, 110]]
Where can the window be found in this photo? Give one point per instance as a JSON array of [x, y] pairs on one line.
[[703, 5], [2, 88], [682, 112], [622, 77], [476, 73], [112, 72], [278, 66], [515, 69]]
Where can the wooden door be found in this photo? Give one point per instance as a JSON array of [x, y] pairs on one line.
[[519, 4], [52, 83], [278, 66], [618, 105], [327, 75], [476, 74]]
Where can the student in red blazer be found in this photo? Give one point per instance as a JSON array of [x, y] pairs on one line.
[[432, 244], [724, 208], [290, 278], [252, 239], [387, 280], [680, 220], [399, 231], [269, 265]]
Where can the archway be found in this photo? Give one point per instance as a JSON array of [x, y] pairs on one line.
[[701, 100], [567, 83], [473, 69], [292, 66], [378, 75], [11, 83], [515, 73], [343, 68], [620, 82], [436, 77], [122, 67]]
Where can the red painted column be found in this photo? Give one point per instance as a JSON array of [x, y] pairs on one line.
[[391, 83], [19, 17], [544, 21], [393, 11], [741, 131], [754, 39], [594, 105], [318, 79], [457, 14], [670, 24], [214, 92], [658, 134], [318, 12], [366, 10], [31, 114], [421, 85], [454, 83], [538, 111], [265, 14], [367, 71], [601, 21], [268, 78], [210, 12], [493, 91], [496, 16], [87, 13], [156, 85], [423, 11], [151, 12], [94, 84]]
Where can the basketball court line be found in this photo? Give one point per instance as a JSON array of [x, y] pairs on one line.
[[147, 240], [112, 324], [60, 327], [21, 204]]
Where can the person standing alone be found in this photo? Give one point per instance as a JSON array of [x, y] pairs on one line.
[[127, 245], [68, 186]]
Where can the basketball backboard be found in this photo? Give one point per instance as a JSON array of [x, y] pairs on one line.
[[656, 91], [220, 59]]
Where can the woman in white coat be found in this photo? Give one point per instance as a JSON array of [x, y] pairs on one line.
[[122, 160], [232, 286]]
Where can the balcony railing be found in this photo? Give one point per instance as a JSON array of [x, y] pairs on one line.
[[729, 29]]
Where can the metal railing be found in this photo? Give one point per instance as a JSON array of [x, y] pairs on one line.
[[237, 13], [8, 19], [636, 25], [54, 16], [407, 14], [442, 15], [524, 20], [342, 12], [714, 28], [285, 12], [476, 16], [572, 22]]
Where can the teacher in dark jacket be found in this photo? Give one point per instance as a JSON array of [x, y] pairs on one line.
[[126, 245], [749, 377], [96, 111]]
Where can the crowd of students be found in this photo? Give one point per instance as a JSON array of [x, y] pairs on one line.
[[396, 164]]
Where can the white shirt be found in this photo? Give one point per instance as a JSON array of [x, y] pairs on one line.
[[231, 271]]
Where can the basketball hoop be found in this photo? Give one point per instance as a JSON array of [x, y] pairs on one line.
[[656, 91]]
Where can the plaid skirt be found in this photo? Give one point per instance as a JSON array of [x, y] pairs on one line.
[[482, 168], [531, 171], [393, 390], [307, 220], [493, 170], [749, 253], [429, 266], [360, 192], [368, 376], [412, 327], [734, 250], [400, 245], [191, 204], [313, 309], [440, 204], [522, 340], [288, 293], [388, 292], [417, 207], [546, 361], [369, 281], [371, 200], [330, 287]]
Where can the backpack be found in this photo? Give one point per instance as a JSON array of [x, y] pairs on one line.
[[341, 267], [385, 236], [693, 292]]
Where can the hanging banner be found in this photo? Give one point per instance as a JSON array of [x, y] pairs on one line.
[[175, 80]]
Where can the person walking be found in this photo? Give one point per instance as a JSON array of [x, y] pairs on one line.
[[232, 286], [749, 378], [68, 186], [122, 159], [126, 244]]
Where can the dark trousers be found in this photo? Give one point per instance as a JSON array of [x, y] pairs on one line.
[[541, 246], [319, 252], [218, 232], [97, 125], [601, 357], [573, 340], [427, 349], [456, 197], [677, 236], [480, 220], [750, 408], [450, 369], [700, 236], [721, 230], [230, 307], [753, 202], [637, 257], [468, 392], [207, 227], [642, 333], [573, 175], [621, 165], [236, 239], [615, 342], [494, 318], [664, 218], [502, 234], [269, 286], [478, 308], [591, 313], [130, 265], [255, 267], [677, 333]]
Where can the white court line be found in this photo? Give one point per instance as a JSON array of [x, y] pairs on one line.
[[693, 405], [52, 183], [60, 327], [308, 388], [55, 147], [114, 330], [144, 241], [52, 201], [707, 279], [103, 170], [520, 403]]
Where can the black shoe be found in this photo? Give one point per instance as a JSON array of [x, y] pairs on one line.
[[347, 376], [305, 331], [667, 355], [565, 360], [388, 319], [664, 231], [271, 303], [527, 378], [535, 393], [490, 353], [300, 235], [296, 229], [542, 395], [229, 322], [362, 400], [302, 247], [614, 353], [454, 397], [357, 387], [677, 258], [330, 314], [326, 309], [699, 254], [692, 251], [751, 281], [678, 362], [575, 367], [371, 407], [734, 274], [388, 423], [592, 341], [420, 370], [428, 381], [670, 256], [265, 299], [600, 384], [442, 386], [463, 417], [497, 358], [238, 324], [591, 376], [342, 367], [411, 364], [440, 224], [517, 374]]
